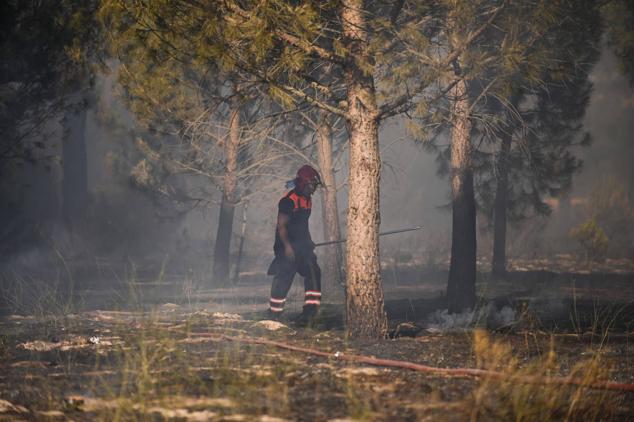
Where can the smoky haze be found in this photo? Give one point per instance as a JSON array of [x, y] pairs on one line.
[[412, 193], [609, 119], [158, 166], [128, 227]]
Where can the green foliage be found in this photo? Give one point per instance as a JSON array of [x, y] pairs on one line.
[[286, 100], [185, 68], [173, 89], [592, 239], [527, 75]]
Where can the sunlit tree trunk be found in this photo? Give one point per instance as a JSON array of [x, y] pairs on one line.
[[498, 266], [227, 206], [366, 316], [74, 162], [462, 270], [332, 276]]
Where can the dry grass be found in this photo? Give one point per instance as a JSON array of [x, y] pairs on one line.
[[513, 399], [147, 367]]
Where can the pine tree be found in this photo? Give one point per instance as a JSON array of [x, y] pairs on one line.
[[541, 125], [452, 70]]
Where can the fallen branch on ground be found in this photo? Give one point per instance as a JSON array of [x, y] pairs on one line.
[[455, 372]]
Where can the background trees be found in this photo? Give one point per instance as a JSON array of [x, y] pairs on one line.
[[540, 123], [494, 75], [474, 50], [217, 127], [49, 50], [463, 69], [220, 93]]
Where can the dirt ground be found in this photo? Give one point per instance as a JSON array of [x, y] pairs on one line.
[[168, 349]]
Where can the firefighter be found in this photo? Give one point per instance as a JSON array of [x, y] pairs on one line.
[[294, 248]]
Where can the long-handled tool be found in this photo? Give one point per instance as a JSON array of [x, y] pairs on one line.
[[332, 242], [273, 267]]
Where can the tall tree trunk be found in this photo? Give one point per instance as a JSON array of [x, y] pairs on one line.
[[243, 231], [333, 277], [498, 266], [74, 159], [227, 206], [462, 270], [366, 316]]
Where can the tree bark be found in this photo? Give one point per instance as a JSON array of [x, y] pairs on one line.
[[74, 159], [462, 270], [332, 279], [366, 316], [227, 206], [498, 266]]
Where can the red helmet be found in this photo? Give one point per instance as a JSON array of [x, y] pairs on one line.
[[305, 175]]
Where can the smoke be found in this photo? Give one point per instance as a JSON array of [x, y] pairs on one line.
[[486, 316]]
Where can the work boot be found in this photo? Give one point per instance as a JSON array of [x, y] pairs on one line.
[[307, 317], [274, 316]]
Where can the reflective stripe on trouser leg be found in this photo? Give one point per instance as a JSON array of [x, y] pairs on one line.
[[276, 304], [281, 285], [312, 297]]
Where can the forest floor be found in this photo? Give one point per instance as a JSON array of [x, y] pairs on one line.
[[160, 348]]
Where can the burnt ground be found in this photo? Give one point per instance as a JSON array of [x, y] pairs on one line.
[[148, 347]]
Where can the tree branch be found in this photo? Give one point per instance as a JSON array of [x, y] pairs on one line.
[[452, 372], [388, 108], [293, 40]]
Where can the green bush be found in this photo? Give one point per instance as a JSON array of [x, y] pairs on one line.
[[593, 240]]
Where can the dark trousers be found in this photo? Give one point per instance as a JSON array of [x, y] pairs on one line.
[[305, 264]]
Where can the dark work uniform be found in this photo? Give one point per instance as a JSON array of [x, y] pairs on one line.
[[298, 209]]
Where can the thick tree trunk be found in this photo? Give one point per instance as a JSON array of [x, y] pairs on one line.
[[462, 270], [332, 276], [366, 316], [74, 159], [498, 266], [227, 206]]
